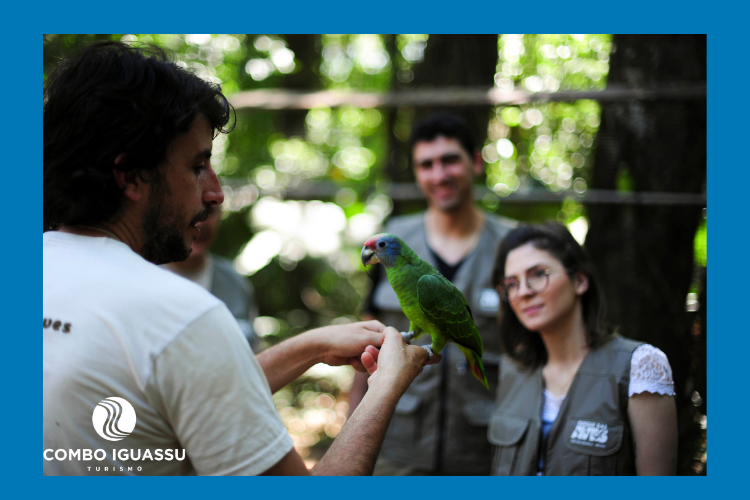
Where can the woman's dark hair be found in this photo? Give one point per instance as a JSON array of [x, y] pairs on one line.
[[525, 346], [115, 98]]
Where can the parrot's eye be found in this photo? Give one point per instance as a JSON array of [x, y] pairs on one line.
[[381, 244]]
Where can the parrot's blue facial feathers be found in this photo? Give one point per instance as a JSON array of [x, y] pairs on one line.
[[384, 248], [388, 249]]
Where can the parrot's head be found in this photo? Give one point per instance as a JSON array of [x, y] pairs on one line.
[[384, 248]]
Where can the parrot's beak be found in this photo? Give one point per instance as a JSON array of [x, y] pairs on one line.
[[369, 257]]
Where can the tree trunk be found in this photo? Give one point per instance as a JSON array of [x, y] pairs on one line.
[[460, 61], [449, 61], [644, 254], [305, 77]]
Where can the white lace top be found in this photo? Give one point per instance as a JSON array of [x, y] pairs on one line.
[[649, 372]]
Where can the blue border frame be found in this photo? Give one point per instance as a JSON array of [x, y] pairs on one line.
[[725, 48]]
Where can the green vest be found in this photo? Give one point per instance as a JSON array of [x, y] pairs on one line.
[[591, 435], [413, 435]]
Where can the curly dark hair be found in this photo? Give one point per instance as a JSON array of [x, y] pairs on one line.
[[442, 124], [116, 98], [525, 346]]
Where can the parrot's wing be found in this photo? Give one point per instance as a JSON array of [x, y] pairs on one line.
[[445, 307]]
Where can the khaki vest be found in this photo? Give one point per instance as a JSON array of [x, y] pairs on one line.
[[412, 436], [591, 435]]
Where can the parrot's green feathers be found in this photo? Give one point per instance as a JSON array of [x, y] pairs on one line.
[[446, 308]]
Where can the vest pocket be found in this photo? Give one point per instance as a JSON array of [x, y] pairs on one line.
[[505, 433], [591, 447]]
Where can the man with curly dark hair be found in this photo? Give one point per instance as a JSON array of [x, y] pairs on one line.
[[146, 356]]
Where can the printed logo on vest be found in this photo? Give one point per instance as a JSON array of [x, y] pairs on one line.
[[586, 433], [113, 419]]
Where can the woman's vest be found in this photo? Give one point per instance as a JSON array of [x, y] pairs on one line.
[[591, 435], [413, 436]]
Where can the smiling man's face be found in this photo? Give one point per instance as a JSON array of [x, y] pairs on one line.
[[445, 172]]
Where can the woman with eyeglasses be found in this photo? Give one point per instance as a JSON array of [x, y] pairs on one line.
[[574, 398]]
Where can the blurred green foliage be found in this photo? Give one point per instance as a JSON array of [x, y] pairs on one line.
[[546, 143]]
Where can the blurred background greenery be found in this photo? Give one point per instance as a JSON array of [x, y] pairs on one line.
[[308, 181]]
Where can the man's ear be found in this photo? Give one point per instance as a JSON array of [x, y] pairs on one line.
[[131, 184], [581, 283], [478, 163]]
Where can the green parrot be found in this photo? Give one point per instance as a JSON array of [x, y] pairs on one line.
[[431, 302]]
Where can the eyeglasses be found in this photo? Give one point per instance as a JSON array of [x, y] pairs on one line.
[[537, 281]]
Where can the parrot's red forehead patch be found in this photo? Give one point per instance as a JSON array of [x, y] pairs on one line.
[[370, 243]]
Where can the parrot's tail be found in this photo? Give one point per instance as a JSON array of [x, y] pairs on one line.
[[477, 368]]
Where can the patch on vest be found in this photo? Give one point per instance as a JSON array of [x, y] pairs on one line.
[[590, 434], [592, 437]]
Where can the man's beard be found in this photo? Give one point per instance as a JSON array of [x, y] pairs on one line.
[[164, 238], [163, 232], [454, 205]]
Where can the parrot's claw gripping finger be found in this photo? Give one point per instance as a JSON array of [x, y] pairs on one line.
[[429, 351], [407, 335]]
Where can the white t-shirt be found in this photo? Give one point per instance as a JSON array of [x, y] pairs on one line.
[[118, 326], [204, 275]]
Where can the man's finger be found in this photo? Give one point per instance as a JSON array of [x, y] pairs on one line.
[[390, 334], [435, 359], [374, 325], [422, 355], [372, 337], [374, 352], [368, 362]]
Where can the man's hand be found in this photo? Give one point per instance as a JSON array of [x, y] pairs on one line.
[[334, 345], [396, 364], [392, 370], [344, 344]]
